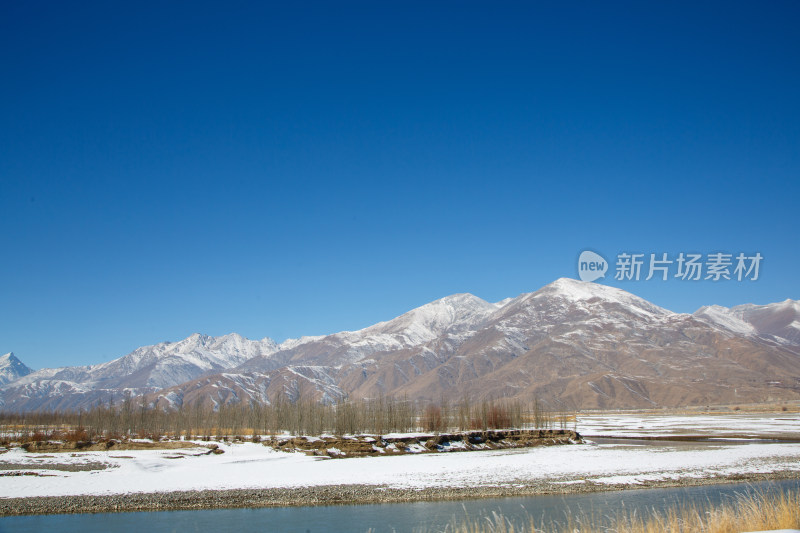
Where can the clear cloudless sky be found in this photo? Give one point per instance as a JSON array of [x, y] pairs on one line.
[[299, 168]]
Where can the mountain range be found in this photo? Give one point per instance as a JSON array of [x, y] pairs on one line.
[[571, 344]]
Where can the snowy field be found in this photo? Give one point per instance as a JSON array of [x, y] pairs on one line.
[[248, 465], [719, 425]]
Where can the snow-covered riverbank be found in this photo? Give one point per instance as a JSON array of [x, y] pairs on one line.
[[599, 465], [254, 466], [723, 425]]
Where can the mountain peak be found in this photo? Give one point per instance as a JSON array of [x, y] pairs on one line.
[[460, 299], [458, 296], [11, 368], [452, 307], [585, 290], [424, 323], [579, 292], [574, 287], [9, 359]]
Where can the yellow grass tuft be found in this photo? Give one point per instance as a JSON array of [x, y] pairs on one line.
[[751, 512]]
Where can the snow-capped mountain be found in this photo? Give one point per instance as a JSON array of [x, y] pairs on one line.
[[446, 320], [573, 343], [779, 321], [315, 366], [582, 344], [146, 369], [169, 363], [12, 368]]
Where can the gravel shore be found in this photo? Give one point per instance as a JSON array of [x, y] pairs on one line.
[[324, 495]]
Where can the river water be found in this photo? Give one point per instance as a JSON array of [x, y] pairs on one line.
[[397, 517]]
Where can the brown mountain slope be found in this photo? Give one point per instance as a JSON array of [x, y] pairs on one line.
[[580, 345], [571, 344]]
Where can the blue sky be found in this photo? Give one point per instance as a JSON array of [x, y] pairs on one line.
[[286, 170]]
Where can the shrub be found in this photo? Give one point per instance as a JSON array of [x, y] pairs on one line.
[[432, 419]]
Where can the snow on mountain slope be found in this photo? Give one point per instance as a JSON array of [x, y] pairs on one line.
[[587, 345], [580, 343], [290, 382], [451, 314], [585, 294], [781, 320], [777, 321], [723, 317], [288, 344], [572, 303], [146, 369], [447, 320], [12, 368], [169, 363]]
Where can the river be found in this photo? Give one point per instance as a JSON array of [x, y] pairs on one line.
[[398, 517]]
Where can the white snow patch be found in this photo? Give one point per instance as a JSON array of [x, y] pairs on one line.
[[250, 465]]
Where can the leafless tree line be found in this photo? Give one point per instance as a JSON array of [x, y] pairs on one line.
[[303, 417]]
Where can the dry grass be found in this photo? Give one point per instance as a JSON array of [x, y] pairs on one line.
[[752, 512]]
